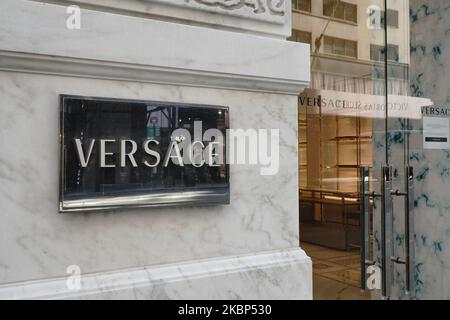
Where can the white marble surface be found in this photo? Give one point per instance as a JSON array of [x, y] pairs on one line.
[[37, 242], [254, 17], [273, 275], [39, 28]]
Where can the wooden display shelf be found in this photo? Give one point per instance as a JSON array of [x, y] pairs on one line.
[[347, 166], [352, 138]]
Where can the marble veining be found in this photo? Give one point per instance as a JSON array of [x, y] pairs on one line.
[[263, 209]]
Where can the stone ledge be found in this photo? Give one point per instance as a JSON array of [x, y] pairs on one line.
[[284, 274], [94, 69]]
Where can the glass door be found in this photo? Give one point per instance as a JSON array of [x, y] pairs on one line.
[[342, 117], [414, 226], [374, 152], [387, 197]]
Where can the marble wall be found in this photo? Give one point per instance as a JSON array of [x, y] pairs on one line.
[[259, 213], [250, 246]]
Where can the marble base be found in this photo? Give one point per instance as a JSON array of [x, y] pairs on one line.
[[272, 275]]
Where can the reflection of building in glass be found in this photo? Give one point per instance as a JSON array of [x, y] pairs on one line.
[[347, 43]]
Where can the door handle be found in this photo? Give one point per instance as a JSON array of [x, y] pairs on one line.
[[409, 232], [409, 260], [387, 258], [386, 231], [364, 203]]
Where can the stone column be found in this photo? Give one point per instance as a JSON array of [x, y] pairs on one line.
[[230, 53]]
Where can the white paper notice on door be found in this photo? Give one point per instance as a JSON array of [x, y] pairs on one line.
[[436, 133]]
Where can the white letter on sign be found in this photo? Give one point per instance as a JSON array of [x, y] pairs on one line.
[[103, 154], [83, 160], [124, 154]]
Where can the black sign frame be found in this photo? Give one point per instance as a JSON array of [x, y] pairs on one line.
[[213, 196]]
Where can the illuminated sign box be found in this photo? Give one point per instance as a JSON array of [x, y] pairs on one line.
[[129, 153]]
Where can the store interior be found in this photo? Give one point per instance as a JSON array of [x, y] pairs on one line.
[[332, 150]]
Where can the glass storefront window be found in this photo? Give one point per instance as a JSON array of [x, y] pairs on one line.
[[374, 150], [342, 120]]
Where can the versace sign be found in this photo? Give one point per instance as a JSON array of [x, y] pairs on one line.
[[128, 153]]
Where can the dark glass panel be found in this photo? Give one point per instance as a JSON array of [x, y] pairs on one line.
[[138, 185]]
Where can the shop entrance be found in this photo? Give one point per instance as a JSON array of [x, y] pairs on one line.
[[332, 149], [352, 188], [374, 148]]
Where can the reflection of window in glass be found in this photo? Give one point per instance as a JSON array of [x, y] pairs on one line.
[[377, 52], [342, 47], [303, 5], [392, 18], [301, 36], [340, 10]]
